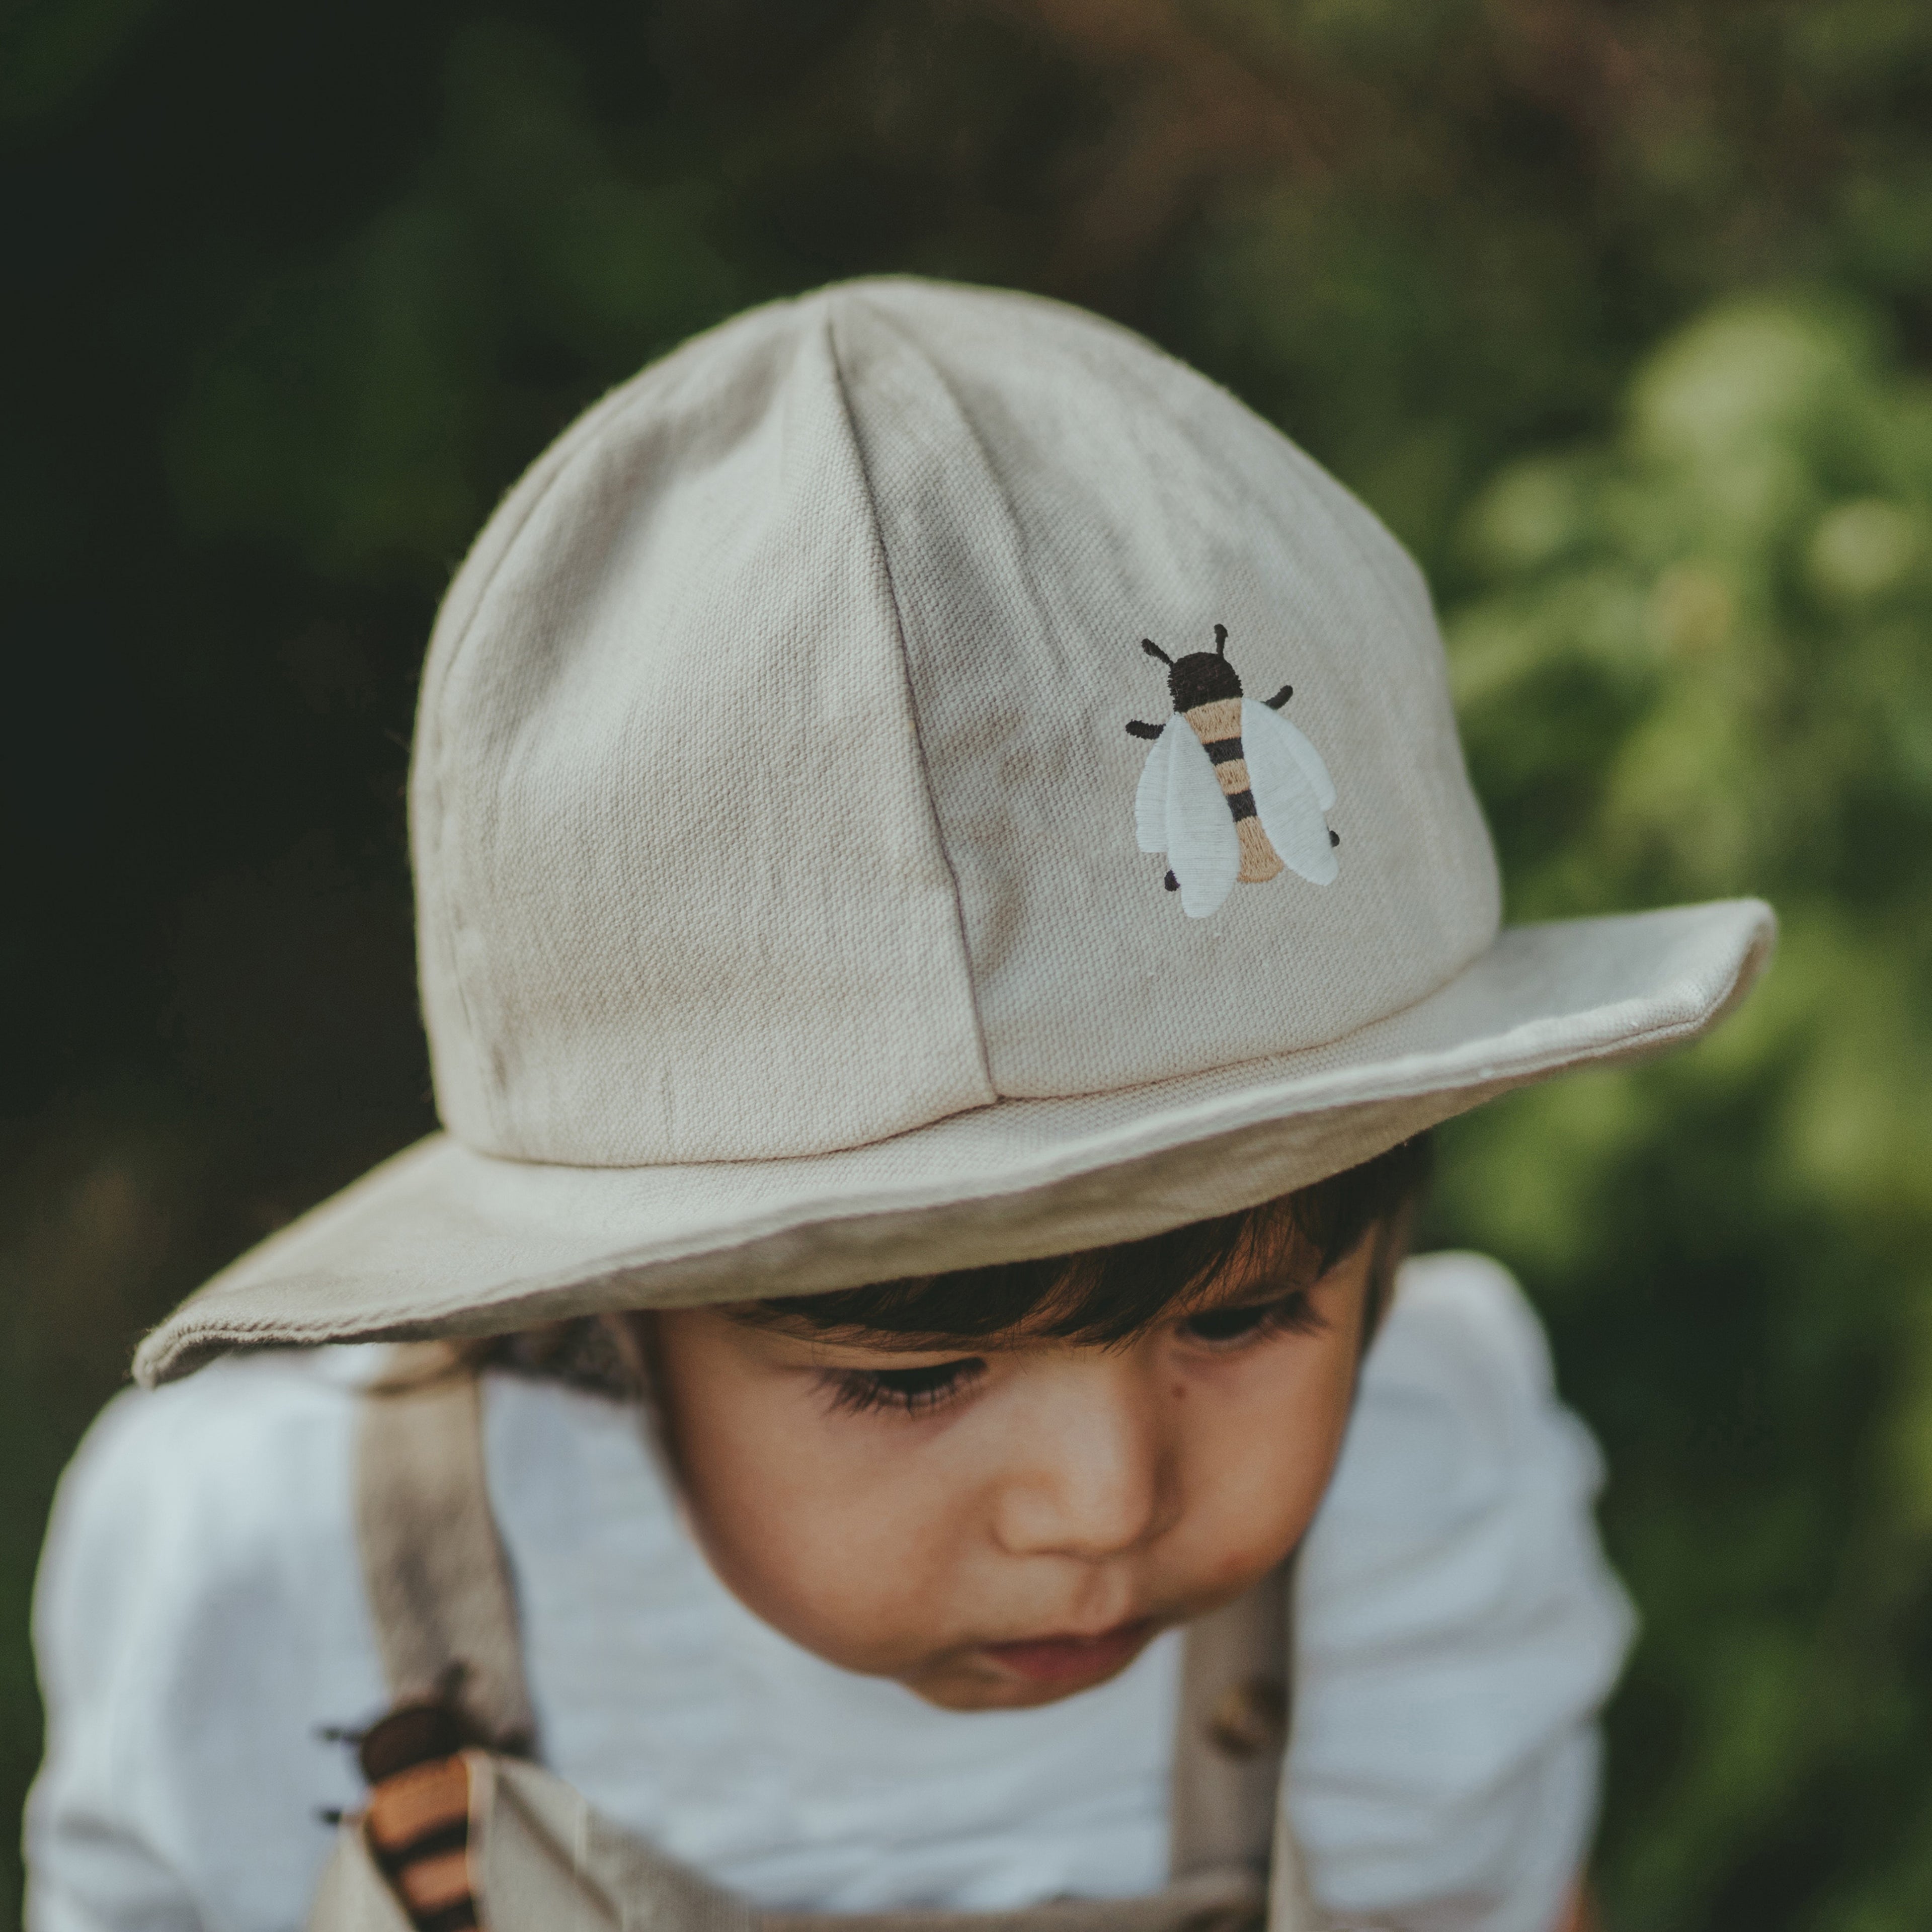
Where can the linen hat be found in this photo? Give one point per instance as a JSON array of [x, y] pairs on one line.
[[820, 881]]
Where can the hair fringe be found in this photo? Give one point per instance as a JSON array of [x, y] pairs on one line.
[[1099, 1296]]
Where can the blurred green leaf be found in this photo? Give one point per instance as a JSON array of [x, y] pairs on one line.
[[1710, 636], [50, 50]]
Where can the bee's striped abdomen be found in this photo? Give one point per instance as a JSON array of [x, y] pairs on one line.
[[418, 1825], [1218, 726]]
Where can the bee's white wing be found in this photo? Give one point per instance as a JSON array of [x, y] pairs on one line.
[[1203, 847], [1150, 800], [1258, 721], [1286, 798]]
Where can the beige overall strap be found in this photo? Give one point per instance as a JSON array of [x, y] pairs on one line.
[[438, 1584], [1230, 1742], [1232, 1726]]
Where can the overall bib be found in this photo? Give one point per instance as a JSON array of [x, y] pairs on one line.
[[462, 1829]]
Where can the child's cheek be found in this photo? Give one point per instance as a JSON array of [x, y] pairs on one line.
[[1259, 1448], [821, 1523]]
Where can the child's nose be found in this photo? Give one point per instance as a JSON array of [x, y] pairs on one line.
[[1088, 1472]]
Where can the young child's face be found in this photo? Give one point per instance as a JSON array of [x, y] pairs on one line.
[[1007, 1527]]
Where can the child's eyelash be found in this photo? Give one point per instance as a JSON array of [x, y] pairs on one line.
[[1294, 1314], [912, 1391], [918, 1391]]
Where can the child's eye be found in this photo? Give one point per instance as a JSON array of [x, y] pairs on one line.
[[1227, 1327], [911, 1390]]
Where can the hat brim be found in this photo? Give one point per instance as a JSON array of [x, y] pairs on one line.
[[444, 1240]]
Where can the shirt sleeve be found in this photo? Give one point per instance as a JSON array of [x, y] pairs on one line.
[[1457, 1626], [197, 1617]]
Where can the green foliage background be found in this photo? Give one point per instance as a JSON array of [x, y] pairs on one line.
[[1620, 311]]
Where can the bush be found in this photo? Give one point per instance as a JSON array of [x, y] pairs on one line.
[[1698, 665]]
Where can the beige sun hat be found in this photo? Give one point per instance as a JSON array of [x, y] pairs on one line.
[[819, 882]]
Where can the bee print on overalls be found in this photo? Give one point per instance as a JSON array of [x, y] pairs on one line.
[[1231, 790]]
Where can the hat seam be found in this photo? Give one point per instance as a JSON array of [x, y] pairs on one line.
[[524, 1301], [993, 1093], [1482, 1080]]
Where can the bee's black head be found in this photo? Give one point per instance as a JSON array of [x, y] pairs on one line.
[[1201, 677]]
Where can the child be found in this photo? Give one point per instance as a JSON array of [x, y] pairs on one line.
[[948, 901]]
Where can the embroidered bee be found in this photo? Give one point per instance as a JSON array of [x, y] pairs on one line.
[[1232, 790]]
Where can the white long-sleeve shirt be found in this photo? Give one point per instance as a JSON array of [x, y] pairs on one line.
[[200, 1618]]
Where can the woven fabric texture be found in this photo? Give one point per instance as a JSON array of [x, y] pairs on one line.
[[782, 708]]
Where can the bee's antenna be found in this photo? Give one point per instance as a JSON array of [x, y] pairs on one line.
[[1153, 650], [1220, 640]]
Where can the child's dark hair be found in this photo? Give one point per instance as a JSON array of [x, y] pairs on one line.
[[1107, 1294], [1102, 1295]]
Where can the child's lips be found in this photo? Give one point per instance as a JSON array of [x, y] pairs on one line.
[[1072, 1659]]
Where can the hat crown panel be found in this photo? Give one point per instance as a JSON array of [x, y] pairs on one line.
[[772, 792], [681, 896], [1051, 490]]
